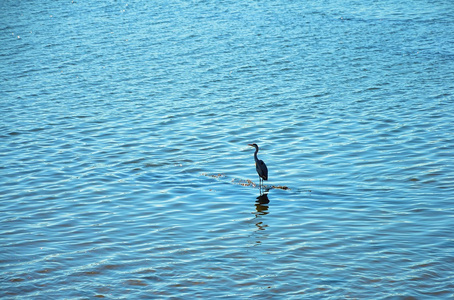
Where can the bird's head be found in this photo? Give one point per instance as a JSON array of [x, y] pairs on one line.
[[254, 145]]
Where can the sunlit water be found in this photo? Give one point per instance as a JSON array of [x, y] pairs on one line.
[[125, 170]]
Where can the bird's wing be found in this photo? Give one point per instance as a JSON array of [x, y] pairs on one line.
[[263, 170]]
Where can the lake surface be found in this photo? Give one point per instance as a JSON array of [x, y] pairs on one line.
[[125, 169]]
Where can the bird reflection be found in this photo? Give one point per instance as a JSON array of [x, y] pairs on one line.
[[260, 226], [261, 210], [263, 199]]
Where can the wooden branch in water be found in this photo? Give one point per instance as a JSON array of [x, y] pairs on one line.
[[246, 182]]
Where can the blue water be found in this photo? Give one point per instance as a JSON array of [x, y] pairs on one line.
[[125, 170]]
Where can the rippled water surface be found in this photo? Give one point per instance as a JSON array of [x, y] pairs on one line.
[[125, 170]]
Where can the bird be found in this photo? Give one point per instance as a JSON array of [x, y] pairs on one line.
[[260, 166]]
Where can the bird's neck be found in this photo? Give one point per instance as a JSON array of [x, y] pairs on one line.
[[255, 154]]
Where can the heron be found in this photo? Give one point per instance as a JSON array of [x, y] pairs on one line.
[[260, 166]]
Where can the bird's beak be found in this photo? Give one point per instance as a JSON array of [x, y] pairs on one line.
[[250, 145]]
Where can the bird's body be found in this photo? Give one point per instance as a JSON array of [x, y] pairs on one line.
[[260, 166]]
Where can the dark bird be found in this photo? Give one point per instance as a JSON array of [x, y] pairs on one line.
[[260, 166]]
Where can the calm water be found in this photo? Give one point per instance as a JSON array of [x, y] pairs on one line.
[[124, 158]]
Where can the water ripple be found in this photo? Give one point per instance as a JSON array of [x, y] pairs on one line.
[[126, 171]]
